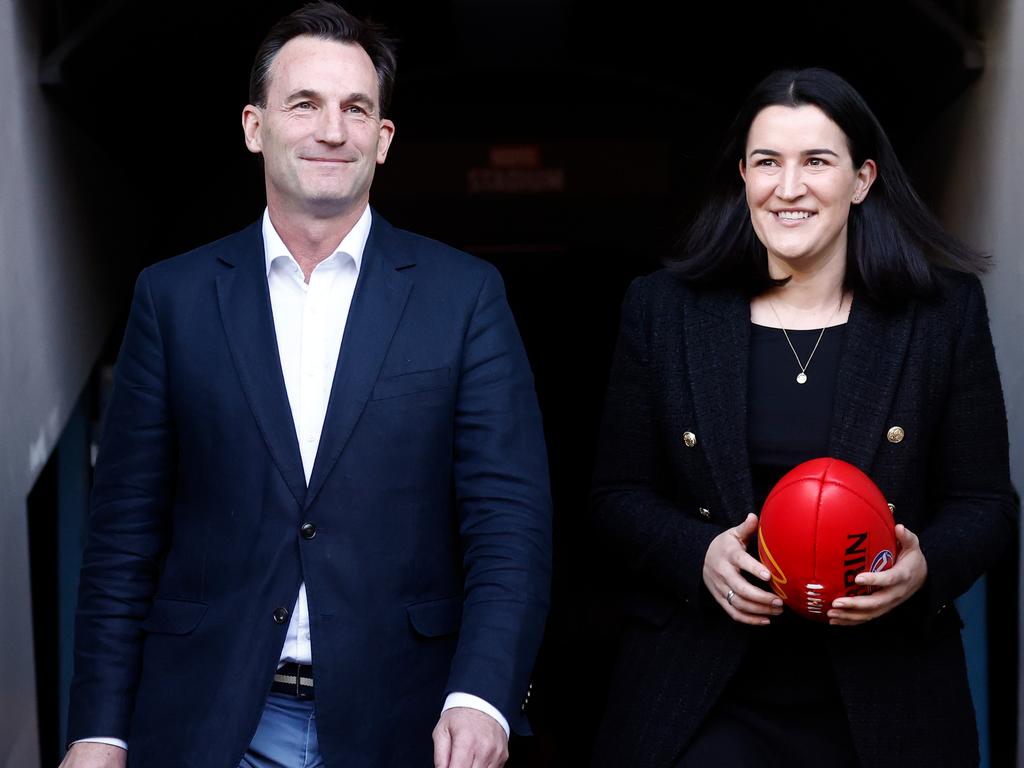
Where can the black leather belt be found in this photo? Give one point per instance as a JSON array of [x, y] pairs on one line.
[[293, 679]]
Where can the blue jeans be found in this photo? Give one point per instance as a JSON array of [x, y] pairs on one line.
[[286, 736]]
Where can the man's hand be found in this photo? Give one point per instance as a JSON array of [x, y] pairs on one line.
[[724, 564], [892, 587], [469, 738], [87, 754]]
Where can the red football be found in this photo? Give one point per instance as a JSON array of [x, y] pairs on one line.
[[823, 523]]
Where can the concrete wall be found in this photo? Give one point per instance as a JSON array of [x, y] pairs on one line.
[[54, 316], [977, 155]]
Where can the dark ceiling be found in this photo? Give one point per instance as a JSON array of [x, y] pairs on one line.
[[627, 101], [636, 85]]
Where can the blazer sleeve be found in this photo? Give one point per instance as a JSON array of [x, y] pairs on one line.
[[504, 510], [130, 498], [975, 506], [631, 506]]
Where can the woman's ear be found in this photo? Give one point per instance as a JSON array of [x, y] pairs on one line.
[[866, 176]]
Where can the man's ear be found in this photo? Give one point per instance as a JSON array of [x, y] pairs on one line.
[[385, 135], [252, 119]]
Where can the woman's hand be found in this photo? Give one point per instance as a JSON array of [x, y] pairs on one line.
[[892, 587], [724, 563]]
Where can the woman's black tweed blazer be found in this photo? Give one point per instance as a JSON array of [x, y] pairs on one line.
[[681, 366]]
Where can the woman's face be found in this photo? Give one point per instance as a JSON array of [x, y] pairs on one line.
[[801, 182]]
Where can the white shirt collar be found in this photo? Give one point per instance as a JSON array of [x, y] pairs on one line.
[[353, 244]]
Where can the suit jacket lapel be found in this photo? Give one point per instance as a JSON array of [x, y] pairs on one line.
[[244, 299], [874, 349], [381, 293], [716, 329]]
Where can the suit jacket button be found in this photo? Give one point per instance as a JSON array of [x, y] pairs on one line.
[[689, 439], [705, 513], [280, 615], [308, 530], [892, 508], [895, 434]]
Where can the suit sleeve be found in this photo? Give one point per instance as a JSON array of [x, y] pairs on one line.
[[130, 499], [656, 540], [976, 508], [504, 510]]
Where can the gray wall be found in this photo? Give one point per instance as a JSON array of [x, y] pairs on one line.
[[54, 316], [979, 190]]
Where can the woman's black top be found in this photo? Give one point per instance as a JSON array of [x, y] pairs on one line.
[[787, 667], [788, 422]]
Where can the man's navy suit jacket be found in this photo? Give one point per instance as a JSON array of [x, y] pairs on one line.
[[429, 569]]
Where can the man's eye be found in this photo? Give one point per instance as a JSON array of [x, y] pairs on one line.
[[355, 109], [304, 105]]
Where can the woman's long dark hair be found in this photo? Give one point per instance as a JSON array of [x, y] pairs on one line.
[[894, 243]]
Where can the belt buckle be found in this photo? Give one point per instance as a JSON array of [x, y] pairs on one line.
[[299, 693]]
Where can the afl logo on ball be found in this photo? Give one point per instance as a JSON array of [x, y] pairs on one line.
[[882, 561]]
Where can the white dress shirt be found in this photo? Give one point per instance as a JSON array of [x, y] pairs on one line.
[[309, 321]]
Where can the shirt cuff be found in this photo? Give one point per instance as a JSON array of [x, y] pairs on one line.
[[457, 699], [104, 740]]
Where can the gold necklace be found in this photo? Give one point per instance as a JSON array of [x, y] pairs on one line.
[[801, 378]]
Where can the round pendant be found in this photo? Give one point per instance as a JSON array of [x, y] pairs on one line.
[[801, 378]]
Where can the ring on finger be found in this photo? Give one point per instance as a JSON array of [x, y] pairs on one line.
[[729, 597]]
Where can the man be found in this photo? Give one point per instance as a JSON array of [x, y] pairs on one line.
[[322, 474]]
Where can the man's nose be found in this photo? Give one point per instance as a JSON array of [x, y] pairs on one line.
[[331, 127], [791, 185]]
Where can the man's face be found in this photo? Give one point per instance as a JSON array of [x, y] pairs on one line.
[[320, 134]]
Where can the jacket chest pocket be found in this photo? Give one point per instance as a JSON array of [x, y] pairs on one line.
[[411, 383]]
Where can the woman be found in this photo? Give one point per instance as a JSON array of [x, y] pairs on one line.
[[817, 309]]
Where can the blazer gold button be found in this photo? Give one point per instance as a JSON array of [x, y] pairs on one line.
[[895, 434], [689, 439], [705, 513]]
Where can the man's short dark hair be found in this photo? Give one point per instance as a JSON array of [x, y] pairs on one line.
[[327, 21]]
